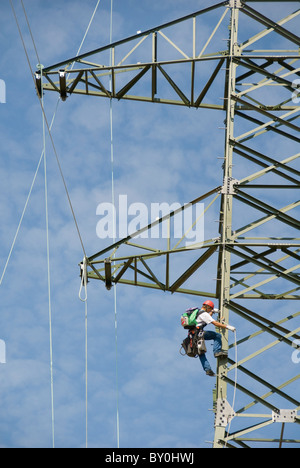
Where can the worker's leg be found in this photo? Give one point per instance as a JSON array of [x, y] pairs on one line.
[[211, 335], [205, 363]]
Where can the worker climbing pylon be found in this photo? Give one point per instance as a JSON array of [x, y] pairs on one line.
[[202, 318]]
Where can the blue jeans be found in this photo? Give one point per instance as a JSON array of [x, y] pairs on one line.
[[217, 346]]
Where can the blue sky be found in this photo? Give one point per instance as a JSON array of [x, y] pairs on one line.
[[156, 160]]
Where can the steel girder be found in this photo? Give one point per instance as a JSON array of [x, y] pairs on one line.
[[256, 251]]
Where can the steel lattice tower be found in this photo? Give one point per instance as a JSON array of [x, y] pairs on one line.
[[256, 256]]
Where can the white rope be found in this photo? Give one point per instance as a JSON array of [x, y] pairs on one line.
[[114, 231], [86, 373], [235, 372], [21, 220], [42, 157], [87, 30], [49, 282], [35, 175], [83, 285], [49, 128], [44, 120], [84, 277], [235, 385]]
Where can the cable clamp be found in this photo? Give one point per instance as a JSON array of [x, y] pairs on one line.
[[84, 279]]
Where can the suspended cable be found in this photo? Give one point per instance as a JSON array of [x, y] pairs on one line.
[[21, 220], [30, 32], [36, 172], [51, 126], [46, 125], [47, 242], [43, 156], [48, 130], [84, 279], [87, 30], [114, 229]]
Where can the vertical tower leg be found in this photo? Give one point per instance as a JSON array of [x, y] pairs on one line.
[[223, 286]]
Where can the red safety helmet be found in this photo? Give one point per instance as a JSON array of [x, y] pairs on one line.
[[209, 303]]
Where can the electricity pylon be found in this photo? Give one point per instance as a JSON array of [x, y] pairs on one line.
[[256, 250]]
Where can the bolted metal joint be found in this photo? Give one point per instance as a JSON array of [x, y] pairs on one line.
[[224, 414], [235, 4], [284, 416], [229, 186]]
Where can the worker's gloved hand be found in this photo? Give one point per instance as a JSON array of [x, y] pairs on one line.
[[230, 327]]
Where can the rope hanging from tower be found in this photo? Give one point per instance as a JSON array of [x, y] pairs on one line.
[[48, 128]]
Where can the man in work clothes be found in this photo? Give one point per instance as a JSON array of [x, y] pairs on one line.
[[205, 318]]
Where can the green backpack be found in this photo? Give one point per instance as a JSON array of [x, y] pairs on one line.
[[188, 319]]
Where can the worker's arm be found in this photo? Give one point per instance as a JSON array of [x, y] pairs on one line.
[[223, 325], [218, 324]]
